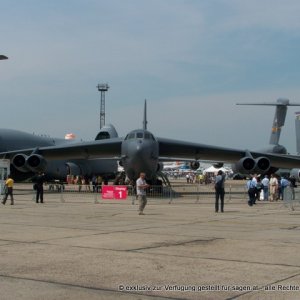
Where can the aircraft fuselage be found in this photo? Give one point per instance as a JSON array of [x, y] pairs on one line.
[[140, 153]]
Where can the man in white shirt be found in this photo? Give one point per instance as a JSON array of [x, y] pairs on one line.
[[265, 182], [141, 187]]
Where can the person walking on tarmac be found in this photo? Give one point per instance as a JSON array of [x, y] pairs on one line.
[[251, 185], [9, 183], [141, 187], [39, 186], [219, 190]]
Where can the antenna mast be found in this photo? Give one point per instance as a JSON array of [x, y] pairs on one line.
[[102, 88], [145, 116]]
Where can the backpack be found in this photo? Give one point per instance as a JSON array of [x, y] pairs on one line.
[[259, 186]]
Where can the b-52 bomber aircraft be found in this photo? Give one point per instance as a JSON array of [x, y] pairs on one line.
[[141, 151]]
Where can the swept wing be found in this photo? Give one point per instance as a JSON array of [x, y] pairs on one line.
[[109, 148], [180, 149], [141, 152]]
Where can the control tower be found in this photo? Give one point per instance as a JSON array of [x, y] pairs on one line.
[[102, 88]]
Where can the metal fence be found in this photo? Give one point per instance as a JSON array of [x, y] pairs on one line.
[[196, 193], [291, 198]]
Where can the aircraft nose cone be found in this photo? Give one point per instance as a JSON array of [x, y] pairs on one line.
[[141, 149]]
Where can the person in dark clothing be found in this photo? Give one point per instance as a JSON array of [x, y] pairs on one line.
[[39, 186], [251, 186], [258, 189], [220, 191]]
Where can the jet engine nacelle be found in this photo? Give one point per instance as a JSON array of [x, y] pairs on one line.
[[244, 165], [295, 173], [194, 165], [262, 165], [33, 163], [248, 165], [218, 165], [36, 163], [19, 162]]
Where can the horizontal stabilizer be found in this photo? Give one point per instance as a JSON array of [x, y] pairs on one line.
[[280, 102]]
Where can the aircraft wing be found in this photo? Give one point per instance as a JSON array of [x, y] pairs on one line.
[[108, 148], [184, 150], [168, 148]]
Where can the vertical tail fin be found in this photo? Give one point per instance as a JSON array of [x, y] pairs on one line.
[[279, 118], [145, 116]]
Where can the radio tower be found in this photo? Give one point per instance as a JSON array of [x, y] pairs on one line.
[[102, 88]]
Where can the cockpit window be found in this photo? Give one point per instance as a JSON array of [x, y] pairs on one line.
[[139, 135], [148, 136], [130, 136], [102, 136]]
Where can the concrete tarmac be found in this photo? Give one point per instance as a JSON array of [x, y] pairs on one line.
[[81, 250]]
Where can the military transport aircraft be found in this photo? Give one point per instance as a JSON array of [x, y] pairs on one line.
[[141, 151], [23, 167], [296, 171], [278, 122]]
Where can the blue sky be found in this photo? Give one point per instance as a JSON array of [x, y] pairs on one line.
[[191, 59]]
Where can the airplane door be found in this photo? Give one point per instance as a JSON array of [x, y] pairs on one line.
[[4, 171]]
